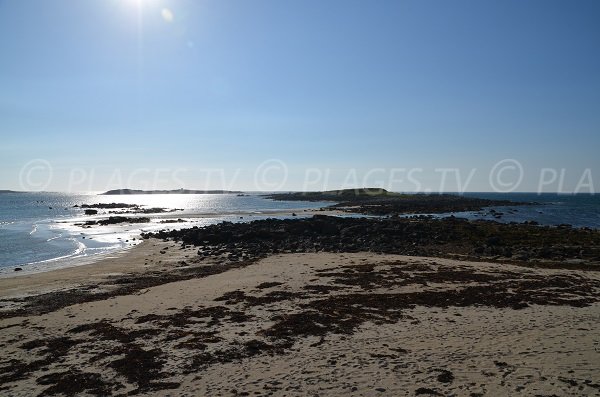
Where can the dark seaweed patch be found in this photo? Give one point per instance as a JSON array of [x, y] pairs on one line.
[[55, 350], [142, 367], [75, 383]]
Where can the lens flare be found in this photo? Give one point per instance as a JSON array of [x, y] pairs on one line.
[[167, 14]]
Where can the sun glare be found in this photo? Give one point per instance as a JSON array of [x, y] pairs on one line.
[[139, 3], [166, 13], [136, 3]]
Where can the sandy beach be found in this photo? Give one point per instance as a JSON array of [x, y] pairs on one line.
[[298, 324]]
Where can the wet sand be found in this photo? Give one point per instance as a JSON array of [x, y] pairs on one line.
[[304, 324], [132, 260]]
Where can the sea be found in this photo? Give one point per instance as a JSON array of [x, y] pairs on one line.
[[39, 231]]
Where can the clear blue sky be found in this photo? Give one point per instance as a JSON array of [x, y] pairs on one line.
[[108, 87]]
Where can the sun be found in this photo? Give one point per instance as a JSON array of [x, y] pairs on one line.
[[143, 7], [139, 3]]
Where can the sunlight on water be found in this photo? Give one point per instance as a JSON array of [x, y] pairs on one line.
[[41, 229]]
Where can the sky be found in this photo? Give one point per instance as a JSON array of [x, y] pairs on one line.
[[300, 95]]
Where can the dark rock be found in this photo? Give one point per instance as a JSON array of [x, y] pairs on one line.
[[425, 390], [118, 219], [122, 219], [409, 236], [493, 240]]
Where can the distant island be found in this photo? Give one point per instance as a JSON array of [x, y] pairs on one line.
[[335, 195], [176, 191], [377, 201], [8, 191]]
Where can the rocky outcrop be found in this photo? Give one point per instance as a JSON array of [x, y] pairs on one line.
[[448, 237], [113, 220]]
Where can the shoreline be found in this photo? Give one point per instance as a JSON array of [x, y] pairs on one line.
[[134, 232], [170, 220], [118, 262]]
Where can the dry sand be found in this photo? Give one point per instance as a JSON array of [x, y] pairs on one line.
[[305, 325]]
